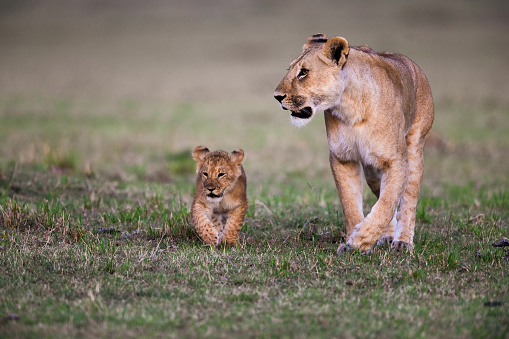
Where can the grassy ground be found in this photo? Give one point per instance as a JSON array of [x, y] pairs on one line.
[[96, 176], [107, 250]]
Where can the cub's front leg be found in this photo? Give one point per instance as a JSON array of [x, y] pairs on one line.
[[234, 224], [203, 224]]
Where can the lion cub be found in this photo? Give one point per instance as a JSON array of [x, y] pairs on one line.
[[220, 202]]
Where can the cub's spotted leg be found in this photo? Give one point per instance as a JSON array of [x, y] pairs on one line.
[[234, 224], [219, 221], [371, 228], [374, 179], [204, 225], [347, 176]]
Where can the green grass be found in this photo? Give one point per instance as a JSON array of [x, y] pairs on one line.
[[96, 241]]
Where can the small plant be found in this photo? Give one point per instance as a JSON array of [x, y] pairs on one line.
[[422, 214], [16, 216], [61, 160], [181, 163]]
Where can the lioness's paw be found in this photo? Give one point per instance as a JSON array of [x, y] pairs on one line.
[[385, 240], [359, 243], [401, 246], [343, 248]]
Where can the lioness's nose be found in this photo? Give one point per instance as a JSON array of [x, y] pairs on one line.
[[279, 97]]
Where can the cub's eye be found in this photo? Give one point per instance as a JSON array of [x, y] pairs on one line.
[[220, 175], [303, 72], [205, 174]]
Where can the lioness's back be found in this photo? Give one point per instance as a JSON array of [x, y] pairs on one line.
[[404, 74]]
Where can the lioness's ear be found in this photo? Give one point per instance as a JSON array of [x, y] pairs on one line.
[[237, 156], [318, 38], [199, 155], [336, 49]]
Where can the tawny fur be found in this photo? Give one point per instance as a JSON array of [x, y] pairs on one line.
[[220, 202], [378, 113]]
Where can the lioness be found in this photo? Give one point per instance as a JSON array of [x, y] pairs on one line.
[[220, 201], [378, 113]]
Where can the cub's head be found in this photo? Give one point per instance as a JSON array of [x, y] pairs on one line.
[[217, 171], [314, 80]]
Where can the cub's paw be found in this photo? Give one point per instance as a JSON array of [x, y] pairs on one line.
[[401, 246], [220, 238], [211, 238], [230, 239]]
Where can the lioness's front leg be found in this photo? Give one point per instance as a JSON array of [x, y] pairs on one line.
[[372, 227], [347, 176], [234, 224], [374, 180]]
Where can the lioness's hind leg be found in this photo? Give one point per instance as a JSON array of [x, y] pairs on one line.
[[415, 139], [373, 179], [404, 233]]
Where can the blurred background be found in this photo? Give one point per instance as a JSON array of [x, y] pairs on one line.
[[128, 88], [238, 49]]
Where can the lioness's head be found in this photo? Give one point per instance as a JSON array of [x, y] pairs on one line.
[[217, 170], [314, 80]]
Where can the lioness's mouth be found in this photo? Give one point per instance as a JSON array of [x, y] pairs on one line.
[[212, 195], [304, 113]]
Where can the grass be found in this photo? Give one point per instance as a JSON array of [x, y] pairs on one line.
[[100, 272], [98, 242]]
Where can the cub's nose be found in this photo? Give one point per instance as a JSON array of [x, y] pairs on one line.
[[279, 97]]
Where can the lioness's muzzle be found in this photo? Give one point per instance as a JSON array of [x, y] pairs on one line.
[[304, 113]]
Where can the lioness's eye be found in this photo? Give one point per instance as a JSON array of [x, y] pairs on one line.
[[303, 72], [205, 174], [220, 175]]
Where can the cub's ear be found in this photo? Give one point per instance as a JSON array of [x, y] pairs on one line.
[[318, 38], [336, 49], [237, 156], [199, 154]]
